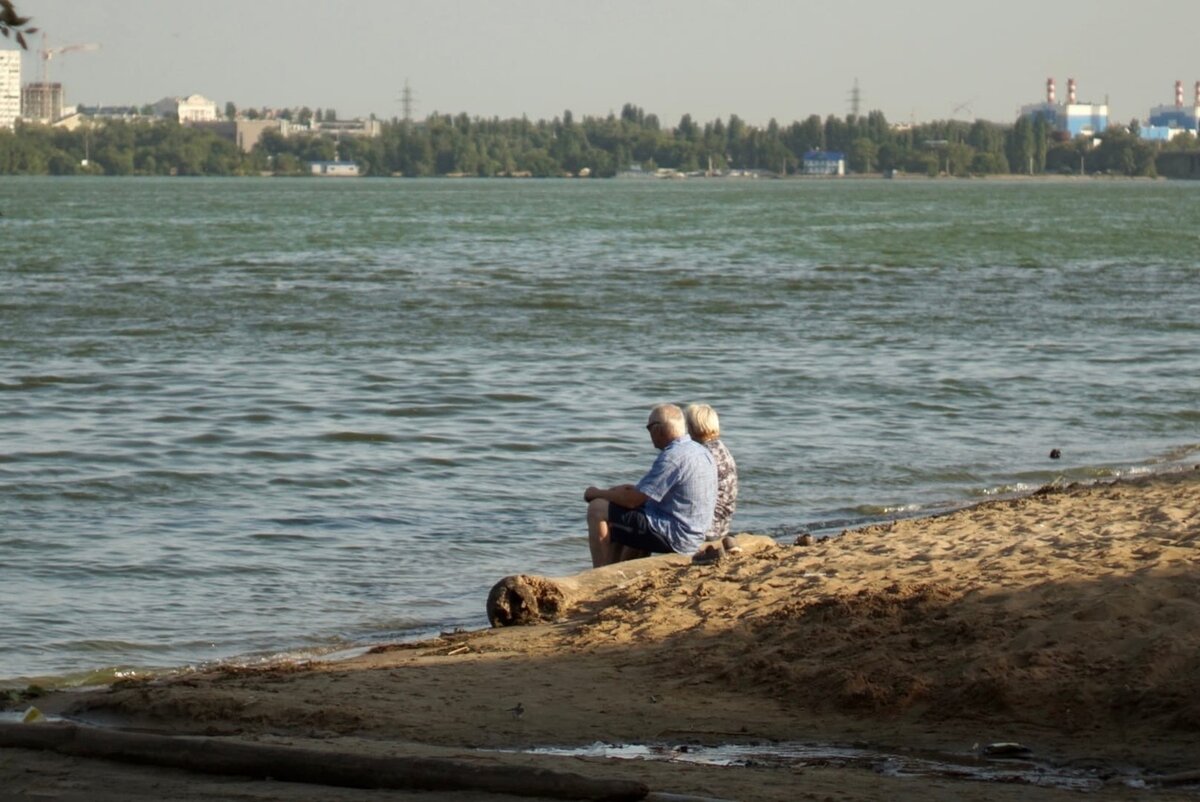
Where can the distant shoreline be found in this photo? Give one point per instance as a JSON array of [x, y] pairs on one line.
[[903, 177]]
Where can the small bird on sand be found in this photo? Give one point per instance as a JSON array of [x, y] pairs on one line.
[[517, 711]]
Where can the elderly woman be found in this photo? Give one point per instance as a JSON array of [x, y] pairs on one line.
[[705, 429]]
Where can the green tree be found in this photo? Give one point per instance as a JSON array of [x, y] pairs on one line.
[[1067, 158], [959, 158], [1021, 146], [687, 129], [13, 25], [836, 134], [989, 163], [1182, 142], [862, 156], [891, 156], [1041, 143], [62, 163]]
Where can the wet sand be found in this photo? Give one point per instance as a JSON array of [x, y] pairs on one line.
[[1067, 621]]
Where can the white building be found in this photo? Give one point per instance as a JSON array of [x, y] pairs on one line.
[[190, 109], [10, 88], [334, 169], [824, 162]]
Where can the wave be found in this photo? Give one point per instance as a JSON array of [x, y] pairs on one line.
[[36, 382], [275, 456], [513, 398]]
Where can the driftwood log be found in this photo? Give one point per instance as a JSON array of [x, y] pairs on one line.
[[296, 764], [1179, 778], [525, 599]]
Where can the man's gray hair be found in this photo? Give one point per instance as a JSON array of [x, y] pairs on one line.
[[672, 419]]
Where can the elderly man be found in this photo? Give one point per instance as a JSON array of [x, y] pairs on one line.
[[668, 510]]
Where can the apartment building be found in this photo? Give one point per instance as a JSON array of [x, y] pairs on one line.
[[10, 88]]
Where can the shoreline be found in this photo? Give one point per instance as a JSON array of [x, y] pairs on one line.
[[104, 676], [1066, 620]]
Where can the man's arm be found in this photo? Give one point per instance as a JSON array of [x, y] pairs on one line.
[[627, 496]]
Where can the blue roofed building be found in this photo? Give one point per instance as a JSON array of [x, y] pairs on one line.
[[1167, 122], [824, 162]]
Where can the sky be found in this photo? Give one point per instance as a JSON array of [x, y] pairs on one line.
[[758, 59]]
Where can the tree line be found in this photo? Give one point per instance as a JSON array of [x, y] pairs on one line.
[[444, 144]]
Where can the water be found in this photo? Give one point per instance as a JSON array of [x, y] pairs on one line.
[[970, 766], [251, 417]]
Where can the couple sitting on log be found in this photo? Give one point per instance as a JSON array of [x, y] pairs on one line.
[[686, 497]]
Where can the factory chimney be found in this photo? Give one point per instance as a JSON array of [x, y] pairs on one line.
[[1071, 91], [1179, 94], [1050, 90]]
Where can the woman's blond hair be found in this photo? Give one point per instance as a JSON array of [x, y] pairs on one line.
[[702, 422]]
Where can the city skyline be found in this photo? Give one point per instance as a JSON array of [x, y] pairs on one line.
[[707, 58]]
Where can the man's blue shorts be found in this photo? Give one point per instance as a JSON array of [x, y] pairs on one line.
[[631, 528]]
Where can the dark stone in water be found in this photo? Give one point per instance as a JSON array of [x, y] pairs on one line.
[[1055, 453]]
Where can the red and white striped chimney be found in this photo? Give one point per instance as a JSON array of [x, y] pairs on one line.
[[1179, 94], [1071, 91], [1050, 90]]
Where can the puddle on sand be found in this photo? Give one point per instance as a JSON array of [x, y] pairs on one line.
[[967, 766]]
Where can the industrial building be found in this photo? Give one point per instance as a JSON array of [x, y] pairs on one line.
[[1071, 118], [1167, 122], [10, 88], [247, 133]]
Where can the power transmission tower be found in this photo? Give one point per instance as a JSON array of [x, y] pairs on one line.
[[406, 102], [855, 99]]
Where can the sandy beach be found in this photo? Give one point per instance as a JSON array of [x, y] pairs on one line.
[[1066, 621]]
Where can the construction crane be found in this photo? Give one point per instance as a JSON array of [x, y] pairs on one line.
[[964, 107], [47, 53]]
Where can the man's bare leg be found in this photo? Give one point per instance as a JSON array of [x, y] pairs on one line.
[[614, 552], [598, 540]]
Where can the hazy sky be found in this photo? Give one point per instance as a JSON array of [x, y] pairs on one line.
[[929, 59]]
